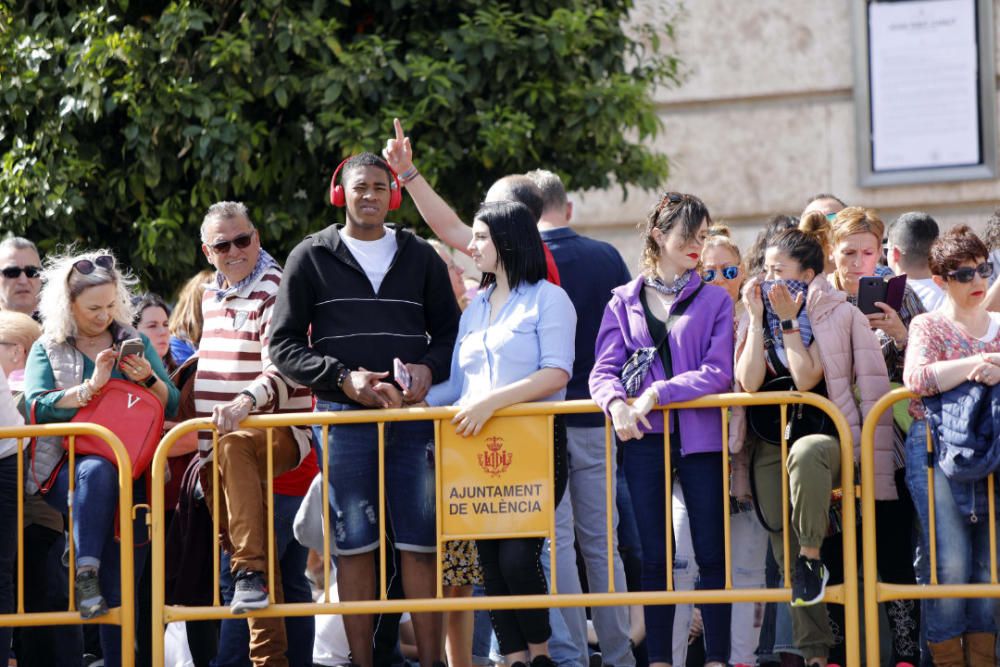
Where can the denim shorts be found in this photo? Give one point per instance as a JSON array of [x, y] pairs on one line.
[[409, 484]]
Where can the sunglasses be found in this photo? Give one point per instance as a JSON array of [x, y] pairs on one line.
[[966, 274], [86, 266], [241, 241], [728, 272], [13, 272]]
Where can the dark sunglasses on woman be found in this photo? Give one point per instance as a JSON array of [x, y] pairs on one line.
[[86, 266], [241, 241], [14, 272], [966, 274], [728, 272]]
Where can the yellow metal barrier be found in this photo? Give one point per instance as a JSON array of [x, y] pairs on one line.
[[875, 591], [123, 615], [541, 525]]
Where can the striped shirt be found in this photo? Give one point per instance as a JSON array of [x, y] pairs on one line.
[[233, 357]]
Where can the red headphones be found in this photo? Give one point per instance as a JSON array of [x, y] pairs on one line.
[[338, 198]]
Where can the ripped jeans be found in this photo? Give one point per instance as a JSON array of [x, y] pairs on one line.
[[409, 485]]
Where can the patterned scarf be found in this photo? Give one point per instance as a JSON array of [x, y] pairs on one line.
[[673, 289], [795, 287], [264, 262]]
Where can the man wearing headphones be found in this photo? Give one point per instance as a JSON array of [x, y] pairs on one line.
[[353, 299]]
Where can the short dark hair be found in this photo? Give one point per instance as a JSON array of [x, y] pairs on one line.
[[913, 233], [805, 248], [520, 188], [992, 236], [957, 245], [364, 160], [519, 245], [141, 302], [826, 195]]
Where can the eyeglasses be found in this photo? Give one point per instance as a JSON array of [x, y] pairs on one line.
[[86, 266], [241, 241], [728, 272], [13, 272], [966, 274]]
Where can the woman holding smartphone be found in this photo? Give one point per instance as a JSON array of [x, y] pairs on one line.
[[515, 344], [87, 313], [856, 240]]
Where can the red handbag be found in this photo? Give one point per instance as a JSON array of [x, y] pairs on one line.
[[128, 410]]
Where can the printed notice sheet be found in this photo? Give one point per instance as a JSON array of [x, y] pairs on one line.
[[925, 106]]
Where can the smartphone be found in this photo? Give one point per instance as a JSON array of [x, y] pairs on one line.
[[874, 288], [130, 346], [401, 374]]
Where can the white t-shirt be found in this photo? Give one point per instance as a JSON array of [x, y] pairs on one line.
[[373, 256], [9, 416], [930, 294]]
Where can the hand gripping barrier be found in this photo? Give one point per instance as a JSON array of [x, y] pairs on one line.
[[486, 456], [124, 615], [876, 591]]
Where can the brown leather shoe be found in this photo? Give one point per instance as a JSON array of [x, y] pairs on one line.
[[980, 649], [948, 653]]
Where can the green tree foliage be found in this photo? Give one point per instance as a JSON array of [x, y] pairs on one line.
[[123, 120]]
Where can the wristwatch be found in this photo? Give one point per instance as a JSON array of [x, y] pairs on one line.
[[342, 375], [150, 381], [789, 325]]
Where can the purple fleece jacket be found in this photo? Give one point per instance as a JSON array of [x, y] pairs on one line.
[[701, 349]]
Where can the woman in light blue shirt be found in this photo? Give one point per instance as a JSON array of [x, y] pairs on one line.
[[515, 344]]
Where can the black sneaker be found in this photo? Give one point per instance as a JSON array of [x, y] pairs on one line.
[[89, 600], [808, 582], [249, 592], [542, 661]]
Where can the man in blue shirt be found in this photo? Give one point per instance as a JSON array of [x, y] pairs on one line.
[[588, 271]]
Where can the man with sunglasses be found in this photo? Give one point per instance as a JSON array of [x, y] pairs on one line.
[[236, 378], [20, 275]]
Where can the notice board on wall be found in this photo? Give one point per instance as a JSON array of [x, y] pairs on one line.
[[925, 92]]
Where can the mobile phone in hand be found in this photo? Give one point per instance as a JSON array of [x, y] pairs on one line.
[[130, 346], [401, 374]]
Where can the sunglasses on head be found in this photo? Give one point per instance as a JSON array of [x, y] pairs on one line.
[[241, 241], [13, 272], [966, 274], [728, 272], [86, 266]]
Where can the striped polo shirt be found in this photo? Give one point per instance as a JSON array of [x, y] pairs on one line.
[[233, 357]]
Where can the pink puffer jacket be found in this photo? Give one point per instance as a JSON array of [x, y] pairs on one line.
[[851, 356]]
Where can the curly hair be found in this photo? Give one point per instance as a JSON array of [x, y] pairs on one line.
[[992, 236], [62, 284]]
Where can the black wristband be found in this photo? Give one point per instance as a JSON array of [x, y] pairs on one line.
[[150, 381], [342, 376]]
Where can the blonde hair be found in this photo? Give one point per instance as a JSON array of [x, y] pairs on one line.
[[16, 327], [186, 320], [62, 284], [854, 220], [719, 236]]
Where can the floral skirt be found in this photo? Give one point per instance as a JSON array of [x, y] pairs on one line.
[[461, 564]]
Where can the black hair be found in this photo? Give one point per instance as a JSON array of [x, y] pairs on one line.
[[520, 188], [826, 195], [364, 160], [773, 227], [802, 247], [517, 241], [913, 233], [141, 302]]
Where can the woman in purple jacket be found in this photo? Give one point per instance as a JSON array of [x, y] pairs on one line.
[[667, 337]]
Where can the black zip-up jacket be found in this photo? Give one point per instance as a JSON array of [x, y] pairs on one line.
[[414, 316]]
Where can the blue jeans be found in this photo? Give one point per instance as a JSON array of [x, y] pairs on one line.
[[234, 635], [700, 476], [94, 505], [409, 484], [963, 549], [8, 545]]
